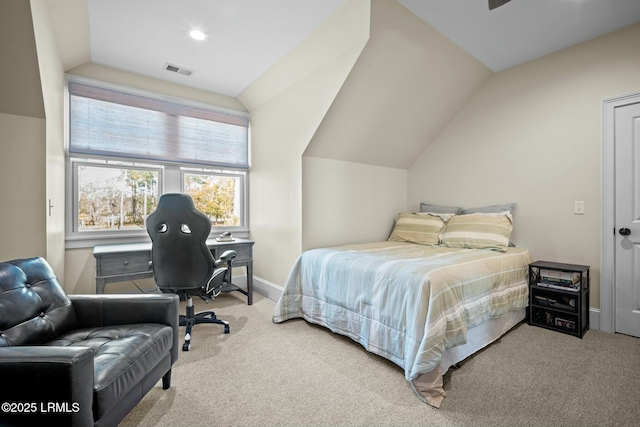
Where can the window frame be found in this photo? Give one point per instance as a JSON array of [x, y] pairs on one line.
[[73, 223], [170, 180]]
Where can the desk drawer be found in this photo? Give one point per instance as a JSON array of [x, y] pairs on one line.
[[132, 262], [243, 251]]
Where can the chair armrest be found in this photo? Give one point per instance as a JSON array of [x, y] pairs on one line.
[[226, 257], [108, 310], [46, 386]]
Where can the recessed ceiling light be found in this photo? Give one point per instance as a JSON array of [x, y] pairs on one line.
[[197, 35]]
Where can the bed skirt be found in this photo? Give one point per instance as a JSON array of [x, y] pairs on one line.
[[429, 386]]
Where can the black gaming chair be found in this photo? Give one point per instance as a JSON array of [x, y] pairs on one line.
[[181, 261]]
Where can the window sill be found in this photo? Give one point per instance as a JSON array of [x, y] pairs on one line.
[[91, 241]]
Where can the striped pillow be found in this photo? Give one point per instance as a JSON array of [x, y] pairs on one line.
[[421, 228], [479, 231]]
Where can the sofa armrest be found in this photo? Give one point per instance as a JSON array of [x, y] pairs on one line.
[[94, 311], [66, 399]]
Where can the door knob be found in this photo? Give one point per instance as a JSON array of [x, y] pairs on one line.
[[624, 231]]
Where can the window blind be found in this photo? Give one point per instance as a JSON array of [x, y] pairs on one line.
[[115, 123]]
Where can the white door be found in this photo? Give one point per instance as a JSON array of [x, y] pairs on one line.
[[627, 219]]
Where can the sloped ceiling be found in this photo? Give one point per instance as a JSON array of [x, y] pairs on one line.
[[346, 28], [20, 88], [408, 83], [523, 30], [71, 22]]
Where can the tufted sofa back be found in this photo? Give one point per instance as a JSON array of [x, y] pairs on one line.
[[34, 309]]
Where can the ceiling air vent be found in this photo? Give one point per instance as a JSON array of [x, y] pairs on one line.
[[179, 70]]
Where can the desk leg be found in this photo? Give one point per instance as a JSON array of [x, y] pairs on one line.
[[250, 282], [100, 286]]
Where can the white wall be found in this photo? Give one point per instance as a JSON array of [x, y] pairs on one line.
[[22, 189], [532, 135], [52, 81], [137, 81], [345, 203], [22, 138], [20, 91], [369, 105], [407, 84], [283, 121]]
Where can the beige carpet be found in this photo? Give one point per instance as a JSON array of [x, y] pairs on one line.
[[297, 374]]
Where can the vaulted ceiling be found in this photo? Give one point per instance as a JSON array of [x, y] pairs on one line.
[[247, 37]]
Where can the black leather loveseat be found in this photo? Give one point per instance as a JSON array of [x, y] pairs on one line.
[[78, 360]]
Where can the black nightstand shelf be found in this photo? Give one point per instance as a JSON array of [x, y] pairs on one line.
[[559, 297]]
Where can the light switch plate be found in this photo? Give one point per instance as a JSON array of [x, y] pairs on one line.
[[578, 208]]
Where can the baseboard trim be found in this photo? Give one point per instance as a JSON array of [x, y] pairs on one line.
[[261, 286], [594, 318], [266, 288]]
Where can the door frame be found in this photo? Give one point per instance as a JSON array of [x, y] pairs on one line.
[[607, 261]]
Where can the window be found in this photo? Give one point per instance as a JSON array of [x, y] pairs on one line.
[[217, 195], [128, 147], [111, 197]]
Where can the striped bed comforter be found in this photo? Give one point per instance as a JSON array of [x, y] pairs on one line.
[[405, 302]]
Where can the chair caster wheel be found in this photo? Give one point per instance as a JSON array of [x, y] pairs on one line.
[[226, 329], [186, 346]]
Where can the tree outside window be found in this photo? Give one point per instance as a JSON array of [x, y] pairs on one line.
[[215, 195], [113, 198]]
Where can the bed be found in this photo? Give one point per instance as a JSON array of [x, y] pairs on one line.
[[423, 306]]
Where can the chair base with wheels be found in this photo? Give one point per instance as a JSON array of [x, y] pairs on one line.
[[191, 319], [221, 277]]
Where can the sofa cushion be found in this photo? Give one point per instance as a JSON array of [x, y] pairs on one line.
[[34, 308], [124, 354]]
